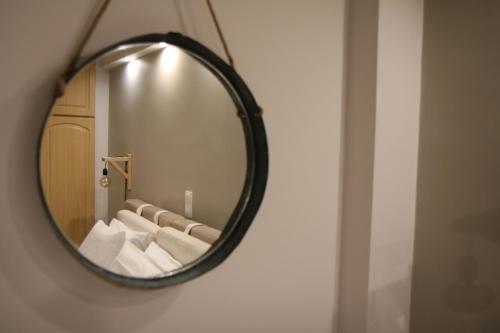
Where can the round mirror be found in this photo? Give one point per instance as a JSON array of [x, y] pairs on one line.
[[153, 160]]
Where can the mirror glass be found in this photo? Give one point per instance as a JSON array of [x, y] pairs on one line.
[[143, 159]]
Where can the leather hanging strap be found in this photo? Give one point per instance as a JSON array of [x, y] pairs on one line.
[[96, 15], [219, 32], [224, 44]]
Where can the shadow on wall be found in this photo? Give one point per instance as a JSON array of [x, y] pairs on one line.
[[38, 257], [461, 288], [390, 304], [470, 295]]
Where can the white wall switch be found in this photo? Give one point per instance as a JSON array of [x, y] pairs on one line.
[[188, 204]]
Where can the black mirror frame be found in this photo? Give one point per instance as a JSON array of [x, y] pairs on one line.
[[256, 177]]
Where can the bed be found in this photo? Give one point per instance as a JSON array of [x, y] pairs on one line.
[[133, 245]]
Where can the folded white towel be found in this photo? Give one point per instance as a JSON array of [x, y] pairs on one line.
[[141, 239], [161, 258], [131, 261], [118, 249], [102, 244]]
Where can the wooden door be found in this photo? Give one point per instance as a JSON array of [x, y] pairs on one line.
[[78, 99], [67, 159]]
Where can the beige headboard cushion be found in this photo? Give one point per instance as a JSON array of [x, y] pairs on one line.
[[204, 232], [133, 204], [170, 219]]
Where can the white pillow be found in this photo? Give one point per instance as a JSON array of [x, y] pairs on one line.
[[141, 239], [102, 244], [161, 258], [183, 247], [108, 247]]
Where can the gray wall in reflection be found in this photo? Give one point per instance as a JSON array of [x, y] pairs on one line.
[[182, 128], [456, 276]]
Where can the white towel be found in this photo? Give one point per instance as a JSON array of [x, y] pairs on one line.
[[141, 239], [133, 262], [161, 258], [108, 247], [102, 244]]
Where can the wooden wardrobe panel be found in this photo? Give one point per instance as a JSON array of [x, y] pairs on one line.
[[78, 98], [67, 170]]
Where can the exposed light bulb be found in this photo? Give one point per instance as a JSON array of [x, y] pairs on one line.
[[104, 181]]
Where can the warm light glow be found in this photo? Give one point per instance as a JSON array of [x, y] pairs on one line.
[[133, 68], [169, 57], [162, 44], [123, 47], [128, 59], [104, 181]]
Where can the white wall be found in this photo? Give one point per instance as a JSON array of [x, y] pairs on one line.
[[282, 278], [382, 127], [101, 139], [399, 57]]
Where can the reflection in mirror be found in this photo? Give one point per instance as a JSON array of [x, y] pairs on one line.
[[143, 160]]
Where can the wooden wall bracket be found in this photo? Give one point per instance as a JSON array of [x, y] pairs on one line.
[[125, 172]]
